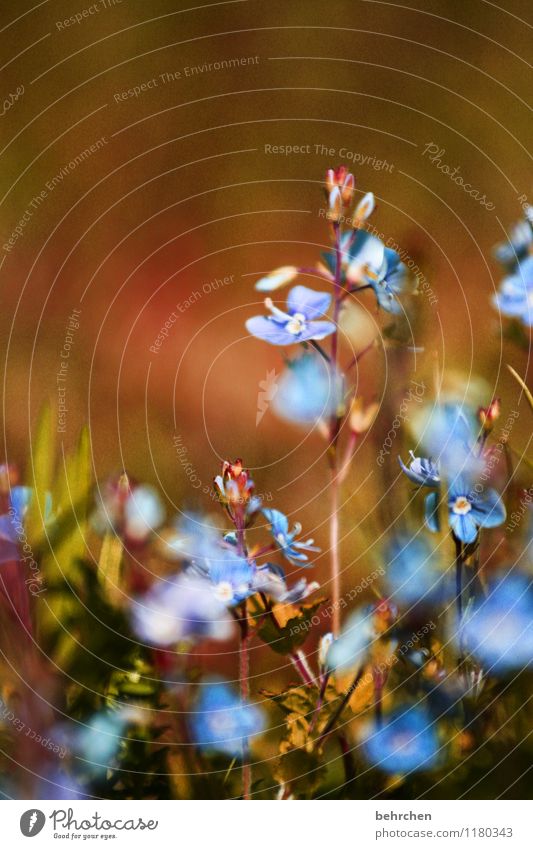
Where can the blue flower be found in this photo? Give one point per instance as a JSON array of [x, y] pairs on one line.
[[371, 263], [286, 539], [422, 471], [406, 742], [518, 245], [351, 648], [307, 391], [270, 579], [99, 741], [12, 523], [389, 282], [515, 298], [299, 323], [199, 543], [222, 722], [498, 631], [448, 434], [468, 510], [413, 574], [185, 607]]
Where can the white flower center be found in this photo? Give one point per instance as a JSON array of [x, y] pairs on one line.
[[461, 506], [296, 324], [281, 539], [224, 591]]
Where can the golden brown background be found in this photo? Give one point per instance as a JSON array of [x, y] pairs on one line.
[[183, 193]]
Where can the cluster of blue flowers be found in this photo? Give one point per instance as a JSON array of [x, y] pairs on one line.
[[515, 296], [455, 466]]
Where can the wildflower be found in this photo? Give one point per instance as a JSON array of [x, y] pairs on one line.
[[285, 539], [235, 490], [100, 739], [518, 245], [364, 208], [413, 575], [422, 471], [372, 264], [270, 579], [340, 184], [222, 722], [406, 742], [498, 631], [299, 323], [130, 510], [352, 648], [183, 608], [467, 510], [307, 391], [55, 784], [277, 278], [488, 415], [515, 298], [229, 572], [448, 434]]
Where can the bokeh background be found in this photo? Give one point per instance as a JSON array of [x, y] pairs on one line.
[[184, 204]]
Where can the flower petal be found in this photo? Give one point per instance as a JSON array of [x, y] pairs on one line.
[[431, 504], [308, 302], [464, 527], [277, 278], [270, 331], [315, 330], [489, 511]]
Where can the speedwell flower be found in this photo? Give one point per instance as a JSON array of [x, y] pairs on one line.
[[183, 608], [372, 264], [515, 298], [421, 470], [406, 742], [299, 323], [222, 722], [270, 579], [467, 510], [307, 391], [498, 631], [285, 539], [518, 245]]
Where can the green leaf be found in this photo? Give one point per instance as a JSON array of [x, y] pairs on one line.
[[39, 473], [109, 564]]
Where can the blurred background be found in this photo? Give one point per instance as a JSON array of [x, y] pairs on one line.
[[158, 159]]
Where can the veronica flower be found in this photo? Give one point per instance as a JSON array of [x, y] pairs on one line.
[[352, 647], [12, 522], [515, 298], [209, 556], [406, 742], [422, 471], [307, 391], [372, 264], [131, 510], [518, 245], [183, 608], [448, 434], [222, 722], [498, 631], [270, 579], [467, 510], [285, 539], [299, 323], [99, 740], [413, 574]]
